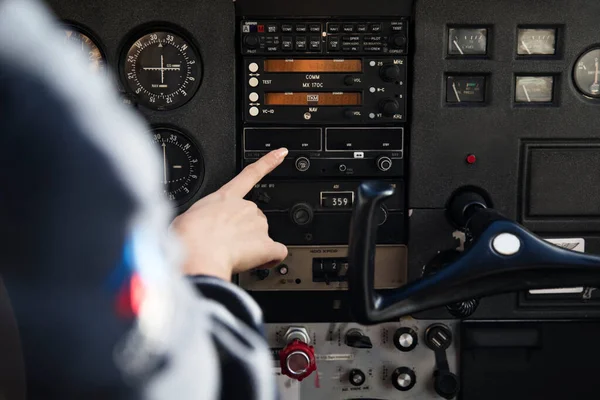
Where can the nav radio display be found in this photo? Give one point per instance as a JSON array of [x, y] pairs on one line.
[[304, 65], [313, 99]]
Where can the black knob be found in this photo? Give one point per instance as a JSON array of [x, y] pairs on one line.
[[384, 163], [302, 214], [302, 164], [356, 339], [389, 107], [405, 339], [446, 384], [251, 41], [357, 377], [390, 72], [349, 80], [262, 274], [398, 41], [404, 379]]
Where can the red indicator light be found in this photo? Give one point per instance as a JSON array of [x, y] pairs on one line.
[[471, 159], [261, 28]]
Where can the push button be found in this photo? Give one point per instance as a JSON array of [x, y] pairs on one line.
[[348, 28], [361, 27], [315, 43], [300, 27], [375, 28], [314, 28], [286, 28], [333, 43], [333, 28], [287, 43], [272, 28], [301, 43]]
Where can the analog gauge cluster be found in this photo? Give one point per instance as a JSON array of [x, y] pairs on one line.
[[531, 43], [161, 70]]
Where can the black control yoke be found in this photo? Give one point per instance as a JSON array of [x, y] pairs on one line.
[[502, 256]]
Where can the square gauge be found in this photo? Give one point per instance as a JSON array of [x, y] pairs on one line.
[[462, 89], [535, 42], [467, 41], [534, 89]]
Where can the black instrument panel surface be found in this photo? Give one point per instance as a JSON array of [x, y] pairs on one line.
[[209, 117]]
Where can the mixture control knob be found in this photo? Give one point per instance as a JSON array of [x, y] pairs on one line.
[[302, 214], [251, 41], [357, 377], [404, 379], [405, 339], [297, 360], [302, 164], [390, 72], [389, 107], [384, 163], [398, 41]]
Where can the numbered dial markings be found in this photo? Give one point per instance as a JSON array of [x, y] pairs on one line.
[[467, 41], [91, 51], [536, 42], [182, 166], [163, 70], [587, 73]]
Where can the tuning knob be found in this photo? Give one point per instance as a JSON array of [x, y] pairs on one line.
[[389, 107], [297, 360], [404, 379], [390, 72], [302, 214], [405, 339], [384, 163], [398, 41]]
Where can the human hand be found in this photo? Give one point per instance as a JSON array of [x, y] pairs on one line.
[[224, 234]]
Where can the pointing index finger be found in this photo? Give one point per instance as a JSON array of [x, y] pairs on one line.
[[254, 173]]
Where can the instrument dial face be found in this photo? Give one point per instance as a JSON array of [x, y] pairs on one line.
[[587, 73], [182, 165], [467, 41], [96, 60], [163, 70], [536, 42], [534, 89]]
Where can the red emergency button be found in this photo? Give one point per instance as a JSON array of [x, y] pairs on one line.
[[471, 159], [297, 360]]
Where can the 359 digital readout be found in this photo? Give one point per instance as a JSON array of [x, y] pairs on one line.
[[337, 199]]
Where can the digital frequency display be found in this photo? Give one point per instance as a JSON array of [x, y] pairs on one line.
[[290, 65], [313, 99]]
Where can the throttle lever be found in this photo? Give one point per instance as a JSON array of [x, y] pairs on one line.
[[503, 257]]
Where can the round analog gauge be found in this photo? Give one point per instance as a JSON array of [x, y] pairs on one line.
[[182, 166], [90, 49], [536, 42], [467, 41], [587, 73], [163, 70]]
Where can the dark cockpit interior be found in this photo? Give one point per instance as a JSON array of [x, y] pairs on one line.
[[440, 199]]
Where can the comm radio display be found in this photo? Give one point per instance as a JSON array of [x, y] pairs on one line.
[[303, 65], [313, 99]]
